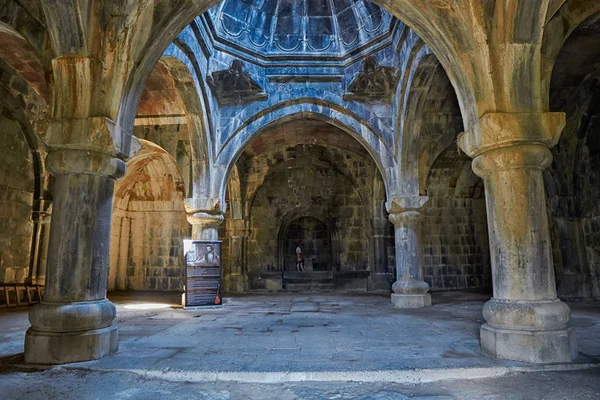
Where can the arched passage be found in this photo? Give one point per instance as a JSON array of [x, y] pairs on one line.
[[306, 178], [148, 224]]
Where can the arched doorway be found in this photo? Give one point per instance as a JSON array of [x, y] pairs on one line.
[[316, 244], [306, 179]]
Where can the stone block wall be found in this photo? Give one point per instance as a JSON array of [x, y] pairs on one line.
[[454, 234], [16, 201], [573, 191], [154, 258], [149, 224], [455, 244], [318, 192]]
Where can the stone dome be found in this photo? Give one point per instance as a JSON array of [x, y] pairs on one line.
[[299, 27]]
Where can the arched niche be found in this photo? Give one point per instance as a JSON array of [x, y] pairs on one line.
[[149, 223], [322, 244]]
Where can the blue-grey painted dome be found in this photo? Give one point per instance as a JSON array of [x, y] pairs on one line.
[[299, 27]]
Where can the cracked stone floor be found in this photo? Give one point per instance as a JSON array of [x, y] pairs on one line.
[[329, 334]]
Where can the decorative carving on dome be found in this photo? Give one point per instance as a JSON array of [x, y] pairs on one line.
[[235, 86], [374, 82]]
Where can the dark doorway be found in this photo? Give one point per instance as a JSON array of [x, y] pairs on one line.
[[317, 248]]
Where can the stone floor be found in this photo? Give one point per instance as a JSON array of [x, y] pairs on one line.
[[280, 341]]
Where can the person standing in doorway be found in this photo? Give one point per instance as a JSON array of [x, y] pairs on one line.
[[299, 257]]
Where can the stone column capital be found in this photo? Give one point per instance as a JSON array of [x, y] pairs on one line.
[[497, 130], [210, 205], [205, 218], [86, 162], [522, 156], [97, 134], [205, 215], [405, 209], [404, 218]]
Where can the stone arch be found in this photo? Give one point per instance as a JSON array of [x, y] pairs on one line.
[[304, 211], [147, 209], [23, 100], [17, 52], [445, 50], [170, 98], [410, 113], [165, 30], [428, 118], [380, 153]]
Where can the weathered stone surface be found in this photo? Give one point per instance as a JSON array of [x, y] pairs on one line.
[[374, 82], [75, 309], [234, 85], [71, 78]]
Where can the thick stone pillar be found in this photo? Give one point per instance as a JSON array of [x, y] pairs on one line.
[[410, 291], [75, 320], [237, 281], [525, 319]]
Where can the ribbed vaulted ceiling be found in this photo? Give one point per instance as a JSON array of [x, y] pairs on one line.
[[306, 27]]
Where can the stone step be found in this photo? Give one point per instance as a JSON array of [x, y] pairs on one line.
[[308, 275], [307, 280], [308, 287]]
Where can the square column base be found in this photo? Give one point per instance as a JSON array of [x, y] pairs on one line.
[[62, 348], [411, 300], [529, 346]]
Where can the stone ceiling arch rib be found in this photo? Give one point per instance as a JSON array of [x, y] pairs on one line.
[[200, 139], [171, 97], [314, 106], [187, 56], [429, 21], [174, 16], [577, 59], [410, 116], [366, 137]]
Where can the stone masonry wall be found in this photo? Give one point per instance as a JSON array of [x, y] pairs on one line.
[[322, 192], [153, 246], [149, 224], [573, 187], [16, 200], [454, 228]]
